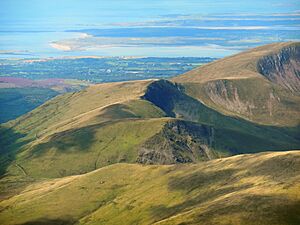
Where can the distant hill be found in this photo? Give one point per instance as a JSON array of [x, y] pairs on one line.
[[15, 102], [21, 95]]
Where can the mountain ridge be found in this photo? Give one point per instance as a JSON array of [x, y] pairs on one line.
[[158, 151]]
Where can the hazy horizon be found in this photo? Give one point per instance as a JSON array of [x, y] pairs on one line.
[[34, 29]]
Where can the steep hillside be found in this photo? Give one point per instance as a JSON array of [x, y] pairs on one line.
[[157, 123], [261, 85], [231, 133], [250, 189], [79, 126], [69, 107]]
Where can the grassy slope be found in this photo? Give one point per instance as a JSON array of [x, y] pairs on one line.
[[83, 150], [113, 127], [69, 106], [239, 66], [72, 125], [234, 86], [61, 112], [261, 189]]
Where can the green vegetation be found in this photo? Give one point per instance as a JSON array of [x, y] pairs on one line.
[[87, 149], [19, 95], [114, 126], [238, 190]]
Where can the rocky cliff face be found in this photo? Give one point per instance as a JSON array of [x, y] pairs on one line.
[[282, 68], [179, 142], [226, 93]]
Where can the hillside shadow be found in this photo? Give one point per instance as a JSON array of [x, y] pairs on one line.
[[264, 209], [163, 94], [73, 139], [11, 142], [281, 167], [200, 179], [78, 139], [203, 184], [200, 188], [49, 222]]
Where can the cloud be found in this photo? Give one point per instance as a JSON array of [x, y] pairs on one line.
[[15, 52], [285, 4], [61, 46]]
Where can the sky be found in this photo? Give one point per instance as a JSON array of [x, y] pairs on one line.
[[52, 28]]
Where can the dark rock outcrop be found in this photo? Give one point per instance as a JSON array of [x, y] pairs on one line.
[[179, 142]]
